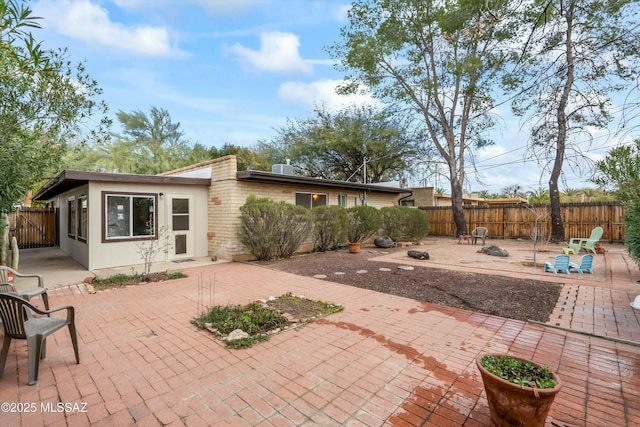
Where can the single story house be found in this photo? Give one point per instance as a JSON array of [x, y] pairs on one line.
[[106, 218], [427, 196]]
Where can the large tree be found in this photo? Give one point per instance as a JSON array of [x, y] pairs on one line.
[[620, 172], [345, 145], [149, 144], [439, 58], [45, 102], [158, 142], [246, 157], [576, 55]]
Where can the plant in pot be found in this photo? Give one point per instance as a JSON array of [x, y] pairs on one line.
[[362, 223], [519, 392]]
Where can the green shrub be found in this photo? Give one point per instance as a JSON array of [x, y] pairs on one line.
[[632, 232], [252, 318], [270, 229], [362, 223], [329, 227], [518, 371], [392, 222], [404, 223]]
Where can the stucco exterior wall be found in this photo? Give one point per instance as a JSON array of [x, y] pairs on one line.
[[76, 249], [125, 253], [95, 254]]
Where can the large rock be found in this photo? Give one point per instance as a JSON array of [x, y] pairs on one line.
[[384, 242], [238, 334], [418, 254], [495, 250]]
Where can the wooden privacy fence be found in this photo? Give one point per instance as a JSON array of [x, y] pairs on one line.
[[34, 227], [518, 221]]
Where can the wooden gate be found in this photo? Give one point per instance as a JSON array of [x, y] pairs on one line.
[[34, 227]]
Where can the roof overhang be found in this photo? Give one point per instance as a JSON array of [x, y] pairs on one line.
[[70, 179], [277, 178]]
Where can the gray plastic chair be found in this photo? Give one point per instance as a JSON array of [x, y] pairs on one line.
[[20, 288], [19, 323], [480, 233]]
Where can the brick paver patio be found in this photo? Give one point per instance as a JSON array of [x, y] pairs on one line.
[[384, 360]]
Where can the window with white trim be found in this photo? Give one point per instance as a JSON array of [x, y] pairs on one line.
[[129, 216], [311, 200], [342, 200]]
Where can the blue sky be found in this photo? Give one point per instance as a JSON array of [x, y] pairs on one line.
[[230, 71]]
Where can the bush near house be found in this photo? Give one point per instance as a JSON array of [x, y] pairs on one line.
[[329, 227], [362, 223], [632, 225], [404, 223], [272, 229]]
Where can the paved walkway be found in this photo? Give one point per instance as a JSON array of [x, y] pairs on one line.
[[597, 304], [384, 360]]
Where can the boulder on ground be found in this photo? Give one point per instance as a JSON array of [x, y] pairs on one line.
[[494, 250], [418, 254], [384, 242], [237, 334]]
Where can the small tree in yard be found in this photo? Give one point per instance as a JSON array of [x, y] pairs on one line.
[[329, 226], [270, 229], [149, 249]]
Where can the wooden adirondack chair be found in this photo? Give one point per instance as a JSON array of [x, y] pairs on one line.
[[587, 244]]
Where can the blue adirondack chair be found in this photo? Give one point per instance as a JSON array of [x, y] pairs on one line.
[[561, 263], [586, 262]]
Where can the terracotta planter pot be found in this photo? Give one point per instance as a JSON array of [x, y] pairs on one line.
[[512, 405], [354, 248]]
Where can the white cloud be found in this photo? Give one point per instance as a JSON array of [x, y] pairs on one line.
[[323, 92], [227, 7], [215, 7], [278, 53], [85, 21], [341, 12]]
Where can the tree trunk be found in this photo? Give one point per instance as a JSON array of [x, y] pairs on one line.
[[557, 226], [457, 207]]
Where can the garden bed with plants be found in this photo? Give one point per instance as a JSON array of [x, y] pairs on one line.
[[124, 280], [241, 326]]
